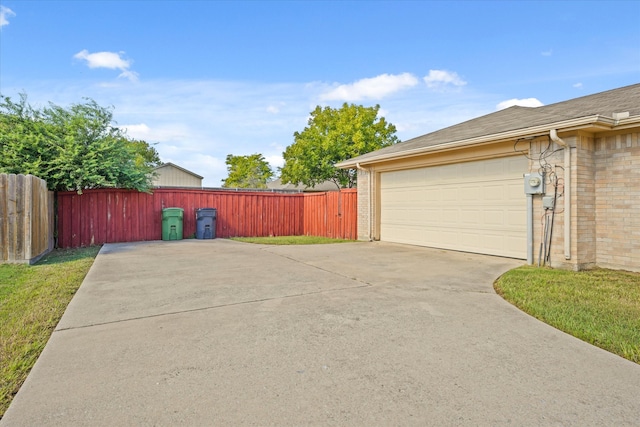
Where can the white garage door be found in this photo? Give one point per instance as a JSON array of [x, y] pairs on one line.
[[477, 206]]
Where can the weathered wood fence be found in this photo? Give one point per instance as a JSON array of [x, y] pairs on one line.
[[114, 215], [26, 218]]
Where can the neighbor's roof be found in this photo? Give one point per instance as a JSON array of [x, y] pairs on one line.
[[517, 122], [178, 167]]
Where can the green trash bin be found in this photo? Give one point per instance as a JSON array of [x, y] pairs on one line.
[[172, 223]]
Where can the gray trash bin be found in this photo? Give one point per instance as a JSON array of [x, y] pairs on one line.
[[206, 223]]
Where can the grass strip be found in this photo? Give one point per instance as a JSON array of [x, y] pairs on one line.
[[600, 306], [32, 301], [290, 240]]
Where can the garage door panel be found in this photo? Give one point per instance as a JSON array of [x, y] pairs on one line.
[[451, 216], [468, 193], [470, 240], [450, 195], [475, 206], [516, 220], [468, 217], [493, 217]]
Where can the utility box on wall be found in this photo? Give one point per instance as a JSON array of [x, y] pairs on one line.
[[534, 183]]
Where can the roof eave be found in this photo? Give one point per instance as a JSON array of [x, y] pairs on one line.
[[605, 123]]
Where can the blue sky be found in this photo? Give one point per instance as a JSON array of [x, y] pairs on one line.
[[203, 79]]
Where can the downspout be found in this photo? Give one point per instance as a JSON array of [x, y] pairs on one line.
[[530, 229], [369, 208], [567, 191]]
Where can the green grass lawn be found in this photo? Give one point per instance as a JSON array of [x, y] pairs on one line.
[[290, 240], [601, 307], [32, 301]]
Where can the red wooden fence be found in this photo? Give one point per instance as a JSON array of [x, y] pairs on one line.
[[115, 215], [331, 214]]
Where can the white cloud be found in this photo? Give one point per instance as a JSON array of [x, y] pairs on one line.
[[382, 112], [276, 161], [174, 134], [5, 14], [547, 52], [578, 85], [110, 60], [526, 102], [131, 75], [139, 131], [370, 88], [197, 123], [275, 108], [440, 79]]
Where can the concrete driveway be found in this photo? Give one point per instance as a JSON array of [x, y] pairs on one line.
[[218, 332]]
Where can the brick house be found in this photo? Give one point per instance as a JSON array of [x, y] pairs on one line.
[[464, 187]]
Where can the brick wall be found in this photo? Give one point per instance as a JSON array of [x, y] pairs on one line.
[[617, 207], [363, 205], [605, 202], [584, 203]]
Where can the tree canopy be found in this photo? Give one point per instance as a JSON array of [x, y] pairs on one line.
[[73, 148], [333, 135], [251, 171]]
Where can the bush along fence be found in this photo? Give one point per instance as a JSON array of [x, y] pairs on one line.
[[115, 215], [26, 218]]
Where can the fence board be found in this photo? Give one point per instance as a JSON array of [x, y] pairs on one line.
[[26, 218]]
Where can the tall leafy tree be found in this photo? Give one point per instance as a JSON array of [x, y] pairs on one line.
[[333, 135], [73, 148], [251, 171]]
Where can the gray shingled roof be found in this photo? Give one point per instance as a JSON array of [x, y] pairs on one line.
[[515, 118]]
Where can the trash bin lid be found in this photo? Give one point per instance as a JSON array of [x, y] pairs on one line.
[[206, 212], [171, 212]]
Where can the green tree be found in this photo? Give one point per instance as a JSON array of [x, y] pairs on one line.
[[145, 154], [251, 171], [73, 148], [333, 135]]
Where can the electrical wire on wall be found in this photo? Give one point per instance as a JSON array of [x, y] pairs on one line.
[[546, 227], [548, 171]]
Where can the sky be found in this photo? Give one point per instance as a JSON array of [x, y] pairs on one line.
[[204, 79]]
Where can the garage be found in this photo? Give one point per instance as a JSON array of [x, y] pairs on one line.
[[475, 206]]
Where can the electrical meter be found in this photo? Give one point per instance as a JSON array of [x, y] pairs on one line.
[[533, 183]]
